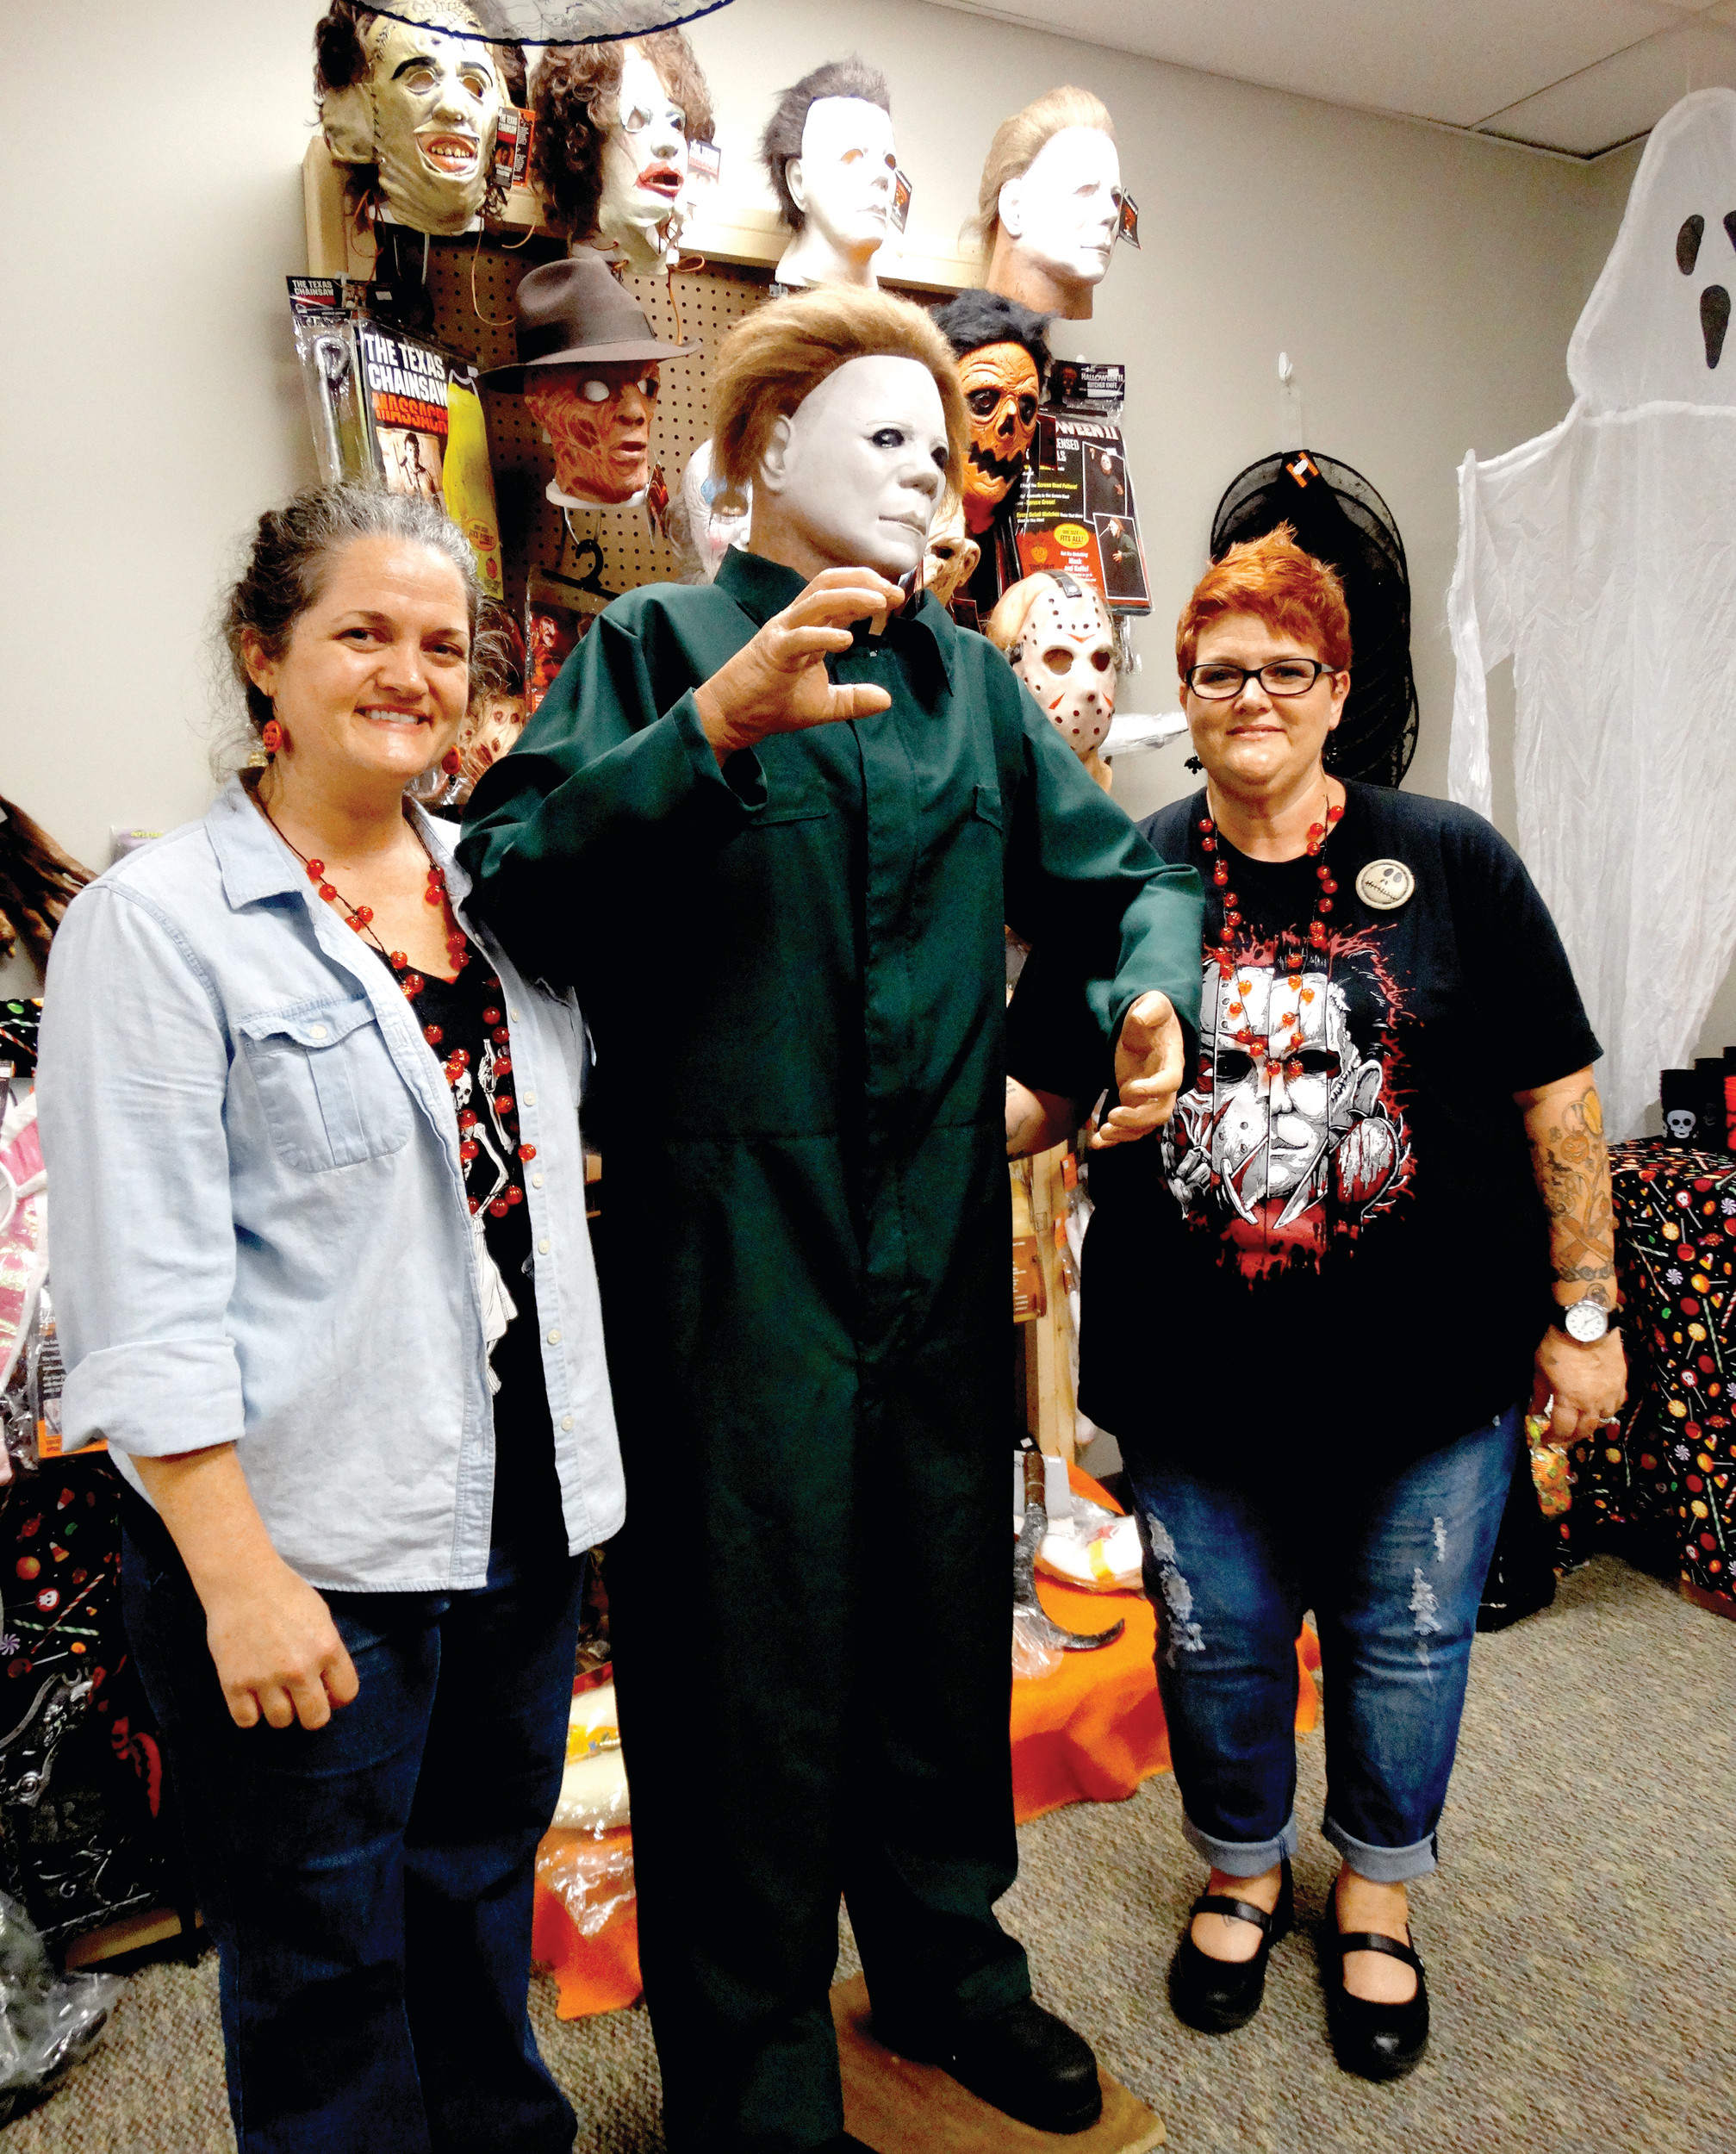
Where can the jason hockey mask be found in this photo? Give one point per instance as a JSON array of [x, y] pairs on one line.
[[1000, 392], [1065, 654]]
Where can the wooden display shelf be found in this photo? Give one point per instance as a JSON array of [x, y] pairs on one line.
[[132, 1934], [906, 2108], [726, 233], [1041, 1311]]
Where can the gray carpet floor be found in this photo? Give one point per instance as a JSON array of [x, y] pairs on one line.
[[1580, 1940]]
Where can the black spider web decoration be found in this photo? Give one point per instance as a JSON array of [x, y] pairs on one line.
[[1339, 518], [551, 21]]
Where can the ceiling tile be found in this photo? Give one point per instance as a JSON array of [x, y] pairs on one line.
[[1453, 60], [1624, 96]]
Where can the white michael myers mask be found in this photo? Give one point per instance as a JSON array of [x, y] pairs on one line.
[[843, 185], [1065, 654], [1654, 329], [1060, 214], [859, 469], [425, 114], [645, 163]]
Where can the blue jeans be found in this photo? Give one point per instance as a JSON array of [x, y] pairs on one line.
[[369, 1882], [1392, 1564]]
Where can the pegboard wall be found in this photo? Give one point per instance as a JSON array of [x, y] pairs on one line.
[[474, 290]]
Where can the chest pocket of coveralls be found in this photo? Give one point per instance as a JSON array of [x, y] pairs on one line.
[[329, 1089]]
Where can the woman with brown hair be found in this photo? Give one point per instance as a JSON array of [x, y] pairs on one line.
[[325, 1286]]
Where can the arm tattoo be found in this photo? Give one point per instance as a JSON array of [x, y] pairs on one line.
[[1571, 1164], [1024, 1118]]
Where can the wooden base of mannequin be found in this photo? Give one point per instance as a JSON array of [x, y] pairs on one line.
[[899, 2107]]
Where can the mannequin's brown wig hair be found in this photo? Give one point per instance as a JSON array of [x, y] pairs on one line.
[[775, 358]]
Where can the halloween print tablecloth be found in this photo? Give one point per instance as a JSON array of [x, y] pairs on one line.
[[1670, 1468]]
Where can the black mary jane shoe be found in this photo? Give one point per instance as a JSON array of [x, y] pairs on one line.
[[1218, 1996], [1022, 2060], [1375, 2041]]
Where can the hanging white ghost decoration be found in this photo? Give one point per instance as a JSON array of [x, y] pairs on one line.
[[1601, 558]]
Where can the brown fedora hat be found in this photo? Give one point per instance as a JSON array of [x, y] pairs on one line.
[[574, 310]]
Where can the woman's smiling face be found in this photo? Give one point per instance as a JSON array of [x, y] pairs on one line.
[[375, 680]]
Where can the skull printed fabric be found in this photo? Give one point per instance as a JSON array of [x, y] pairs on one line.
[[1597, 558], [1001, 391], [1293, 1129]]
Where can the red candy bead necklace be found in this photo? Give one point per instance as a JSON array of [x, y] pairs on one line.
[[456, 1066], [1222, 954]]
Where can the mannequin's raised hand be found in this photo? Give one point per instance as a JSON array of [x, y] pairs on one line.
[[778, 682]]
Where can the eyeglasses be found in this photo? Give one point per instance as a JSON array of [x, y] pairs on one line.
[[1219, 683]]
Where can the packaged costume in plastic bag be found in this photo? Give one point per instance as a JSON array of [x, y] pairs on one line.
[[48, 2022]]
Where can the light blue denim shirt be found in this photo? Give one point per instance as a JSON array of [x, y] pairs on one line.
[[258, 1231]]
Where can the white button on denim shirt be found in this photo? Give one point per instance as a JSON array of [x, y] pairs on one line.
[[259, 1228]]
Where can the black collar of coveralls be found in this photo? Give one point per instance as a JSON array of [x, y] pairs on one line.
[[924, 638]]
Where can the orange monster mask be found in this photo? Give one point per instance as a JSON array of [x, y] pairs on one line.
[[1001, 391]]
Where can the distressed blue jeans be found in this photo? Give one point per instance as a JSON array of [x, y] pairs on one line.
[[369, 1882], [1393, 1566]]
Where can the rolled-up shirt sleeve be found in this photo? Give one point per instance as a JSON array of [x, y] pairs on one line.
[[132, 1073]]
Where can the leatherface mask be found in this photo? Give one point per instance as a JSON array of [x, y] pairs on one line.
[[1065, 654], [425, 113], [1000, 393], [951, 558], [644, 164], [597, 415]]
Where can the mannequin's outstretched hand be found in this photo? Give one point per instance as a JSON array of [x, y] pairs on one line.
[[778, 682], [1147, 1072]]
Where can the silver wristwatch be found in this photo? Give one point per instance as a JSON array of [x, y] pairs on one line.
[[1585, 1321]]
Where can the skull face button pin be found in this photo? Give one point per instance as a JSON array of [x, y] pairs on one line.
[[1385, 884]]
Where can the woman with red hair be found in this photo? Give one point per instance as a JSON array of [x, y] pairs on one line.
[[1340, 1227]]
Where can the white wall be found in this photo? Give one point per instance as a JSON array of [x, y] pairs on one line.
[[1424, 284]]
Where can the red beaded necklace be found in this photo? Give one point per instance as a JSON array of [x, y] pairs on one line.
[[455, 1065], [1258, 1047]]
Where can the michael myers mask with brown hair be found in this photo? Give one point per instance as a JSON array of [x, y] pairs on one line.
[[1002, 360], [412, 108]]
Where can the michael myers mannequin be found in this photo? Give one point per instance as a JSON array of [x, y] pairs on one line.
[[773, 849]]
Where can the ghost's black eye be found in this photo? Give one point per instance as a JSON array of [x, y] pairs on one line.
[[1714, 320], [1730, 225], [1688, 244]]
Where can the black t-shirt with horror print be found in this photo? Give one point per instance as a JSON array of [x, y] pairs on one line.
[[1337, 1237]]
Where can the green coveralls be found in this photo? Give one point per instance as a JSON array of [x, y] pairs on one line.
[[792, 970]]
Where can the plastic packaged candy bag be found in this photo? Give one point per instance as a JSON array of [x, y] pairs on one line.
[[48, 2022]]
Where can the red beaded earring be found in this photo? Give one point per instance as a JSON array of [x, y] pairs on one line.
[[452, 762], [272, 735]]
